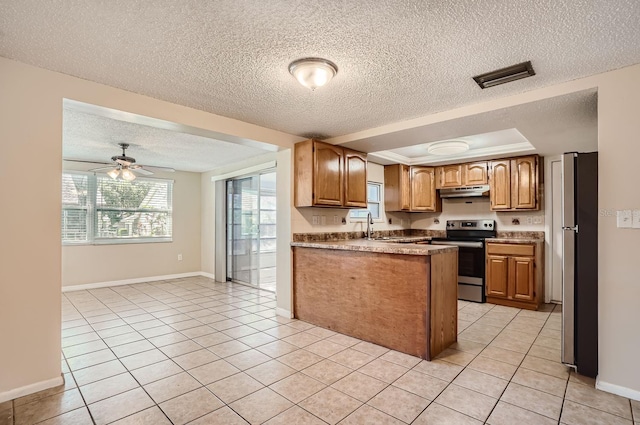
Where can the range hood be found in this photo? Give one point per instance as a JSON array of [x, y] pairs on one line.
[[465, 192]]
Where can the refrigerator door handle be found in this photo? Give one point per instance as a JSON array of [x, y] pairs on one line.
[[568, 297]]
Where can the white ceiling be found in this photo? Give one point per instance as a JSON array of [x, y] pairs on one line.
[[552, 126], [87, 134], [397, 59], [495, 144]]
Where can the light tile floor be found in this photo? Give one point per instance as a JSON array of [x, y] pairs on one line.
[[194, 351]]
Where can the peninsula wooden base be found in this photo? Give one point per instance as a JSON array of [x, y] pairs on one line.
[[406, 303]]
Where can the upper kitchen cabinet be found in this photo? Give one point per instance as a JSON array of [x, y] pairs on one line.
[[329, 176], [514, 184], [475, 173], [397, 187], [459, 175], [410, 189], [423, 190], [449, 176], [355, 179]]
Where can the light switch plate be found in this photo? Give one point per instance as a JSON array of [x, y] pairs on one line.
[[314, 219], [624, 219], [636, 219]]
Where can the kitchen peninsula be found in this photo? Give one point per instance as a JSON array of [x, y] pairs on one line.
[[399, 295]]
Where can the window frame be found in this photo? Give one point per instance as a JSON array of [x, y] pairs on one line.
[[93, 210], [380, 203]]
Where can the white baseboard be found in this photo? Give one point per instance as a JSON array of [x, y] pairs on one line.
[[284, 313], [617, 389], [31, 388], [97, 285], [209, 275]]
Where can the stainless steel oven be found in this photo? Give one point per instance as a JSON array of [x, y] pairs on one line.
[[469, 236]]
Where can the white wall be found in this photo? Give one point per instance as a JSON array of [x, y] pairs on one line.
[[207, 224], [86, 264], [619, 268], [31, 261]]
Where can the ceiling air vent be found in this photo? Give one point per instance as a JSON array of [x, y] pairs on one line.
[[505, 75]]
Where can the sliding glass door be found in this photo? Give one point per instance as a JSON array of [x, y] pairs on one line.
[[251, 230]]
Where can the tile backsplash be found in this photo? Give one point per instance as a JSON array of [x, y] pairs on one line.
[[478, 208]]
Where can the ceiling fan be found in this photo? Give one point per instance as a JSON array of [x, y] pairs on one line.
[[124, 166]]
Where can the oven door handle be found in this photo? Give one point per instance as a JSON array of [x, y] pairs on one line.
[[460, 244]]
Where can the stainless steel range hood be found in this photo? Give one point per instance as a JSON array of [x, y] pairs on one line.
[[465, 192]]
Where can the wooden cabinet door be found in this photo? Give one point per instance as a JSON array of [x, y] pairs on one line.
[[397, 187], [475, 174], [328, 188], [524, 182], [500, 185], [405, 187], [423, 189], [497, 276], [521, 281], [355, 179], [450, 176]]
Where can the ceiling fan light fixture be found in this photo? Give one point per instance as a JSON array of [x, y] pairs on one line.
[[128, 175], [313, 72], [448, 147], [113, 173]]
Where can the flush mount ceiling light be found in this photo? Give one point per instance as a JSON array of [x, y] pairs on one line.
[[449, 147], [313, 72], [505, 75]]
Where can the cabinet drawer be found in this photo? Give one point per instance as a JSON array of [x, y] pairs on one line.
[[510, 249]]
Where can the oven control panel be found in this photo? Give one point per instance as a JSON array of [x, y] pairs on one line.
[[471, 224]]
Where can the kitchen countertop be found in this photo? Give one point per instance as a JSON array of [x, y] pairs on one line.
[[390, 246], [516, 240]]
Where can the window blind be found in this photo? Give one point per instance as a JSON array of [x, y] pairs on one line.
[[115, 211]]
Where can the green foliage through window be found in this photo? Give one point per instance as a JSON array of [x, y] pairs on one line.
[[98, 209]]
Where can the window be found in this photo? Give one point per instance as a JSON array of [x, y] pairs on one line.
[[98, 209], [374, 191]]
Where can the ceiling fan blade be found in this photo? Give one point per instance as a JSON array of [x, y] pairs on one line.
[[141, 171], [111, 167], [165, 169], [86, 162]]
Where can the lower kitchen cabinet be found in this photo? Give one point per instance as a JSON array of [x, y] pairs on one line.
[[514, 275]]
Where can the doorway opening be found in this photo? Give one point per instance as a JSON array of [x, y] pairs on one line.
[[251, 230]]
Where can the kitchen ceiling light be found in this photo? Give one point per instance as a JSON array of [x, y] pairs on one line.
[[313, 72], [449, 147]]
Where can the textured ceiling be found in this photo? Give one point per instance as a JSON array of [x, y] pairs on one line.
[[397, 59], [95, 138]]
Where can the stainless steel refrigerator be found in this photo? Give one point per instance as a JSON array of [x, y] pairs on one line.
[[580, 262]]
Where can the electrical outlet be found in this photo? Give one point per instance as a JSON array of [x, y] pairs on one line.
[[625, 219], [538, 219], [636, 219], [336, 219], [179, 257], [315, 220], [529, 220]]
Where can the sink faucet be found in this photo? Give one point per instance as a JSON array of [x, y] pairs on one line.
[[369, 226]]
